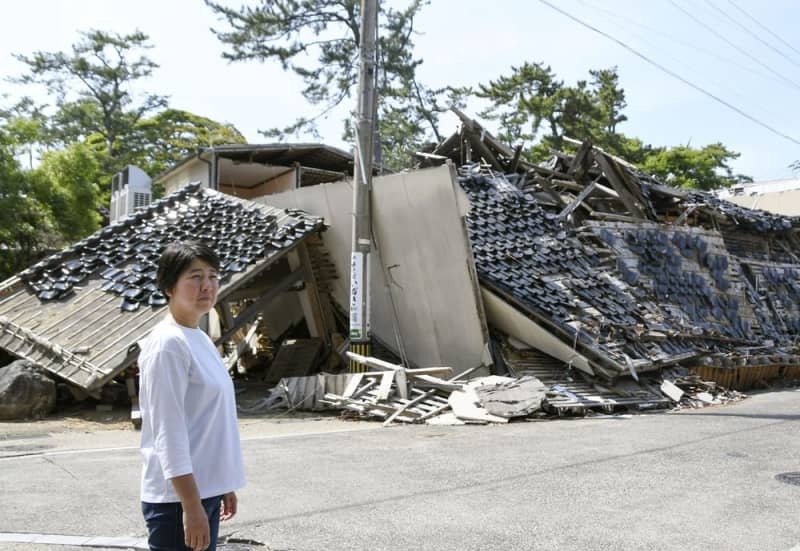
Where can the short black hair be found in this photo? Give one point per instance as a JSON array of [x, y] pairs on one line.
[[176, 258]]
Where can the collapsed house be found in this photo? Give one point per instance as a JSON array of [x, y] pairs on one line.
[[583, 273], [633, 275], [80, 313]]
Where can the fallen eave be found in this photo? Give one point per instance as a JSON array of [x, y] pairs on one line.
[[86, 338]]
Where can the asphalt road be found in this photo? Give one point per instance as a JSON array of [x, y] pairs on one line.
[[700, 479]]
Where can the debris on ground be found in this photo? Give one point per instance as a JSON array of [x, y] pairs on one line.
[[540, 387]]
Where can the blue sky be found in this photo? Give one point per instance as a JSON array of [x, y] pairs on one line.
[[465, 42]]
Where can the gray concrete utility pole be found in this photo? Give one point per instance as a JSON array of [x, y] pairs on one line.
[[360, 335]]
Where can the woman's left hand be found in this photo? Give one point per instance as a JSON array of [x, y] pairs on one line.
[[228, 506]]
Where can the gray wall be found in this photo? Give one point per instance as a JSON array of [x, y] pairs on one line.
[[420, 232]]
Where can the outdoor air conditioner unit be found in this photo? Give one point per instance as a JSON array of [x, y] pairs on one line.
[[131, 190]]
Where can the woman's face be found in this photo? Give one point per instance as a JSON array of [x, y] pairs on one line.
[[194, 293]]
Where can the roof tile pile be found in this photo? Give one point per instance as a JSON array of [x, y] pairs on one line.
[[634, 295], [126, 253], [632, 273]]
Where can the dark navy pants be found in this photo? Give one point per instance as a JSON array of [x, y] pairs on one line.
[[165, 524]]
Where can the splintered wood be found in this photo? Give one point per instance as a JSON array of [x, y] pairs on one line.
[[396, 394], [539, 387]]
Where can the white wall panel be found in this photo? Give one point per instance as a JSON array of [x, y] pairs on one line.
[[422, 241]]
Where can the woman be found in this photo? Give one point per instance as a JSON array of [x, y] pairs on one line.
[[190, 436]]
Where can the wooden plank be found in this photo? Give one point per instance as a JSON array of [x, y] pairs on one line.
[[435, 382], [485, 153], [578, 200], [224, 308], [311, 293], [402, 383], [399, 411], [385, 386], [257, 307], [375, 363], [364, 389], [582, 162], [436, 411], [475, 126], [684, 215], [616, 217], [618, 183], [545, 185], [432, 395], [512, 167], [352, 385]]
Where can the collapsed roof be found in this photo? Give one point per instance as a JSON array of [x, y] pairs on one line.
[[631, 273], [79, 313], [628, 273]]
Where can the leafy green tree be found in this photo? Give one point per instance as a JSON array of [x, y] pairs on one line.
[[524, 102], [92, 85], [706, 168], [26, 226], [67, 182], [25, 126], [93, 127], [531, 105], [158, 142], [318, 40], [609, 98]]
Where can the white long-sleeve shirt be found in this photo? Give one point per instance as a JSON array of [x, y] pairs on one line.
[[188, 409]]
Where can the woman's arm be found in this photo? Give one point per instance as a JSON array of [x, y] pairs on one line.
[[196, 532], [230, 505]]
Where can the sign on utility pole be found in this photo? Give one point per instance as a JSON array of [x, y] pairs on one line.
[[360, 336]]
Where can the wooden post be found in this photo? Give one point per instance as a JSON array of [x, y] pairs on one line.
[[309, 297]]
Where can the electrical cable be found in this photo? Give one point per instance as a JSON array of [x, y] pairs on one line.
[[754, 20], [692, 47], [761, 109], [694, 72], [733, 45], [673, 74], [751, 33]]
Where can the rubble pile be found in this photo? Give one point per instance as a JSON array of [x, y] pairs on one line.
[[695, 392], [633, 274], [393, 394]]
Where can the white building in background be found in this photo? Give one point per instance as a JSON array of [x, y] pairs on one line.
[[131, 190], [776, 196], [255, 170]]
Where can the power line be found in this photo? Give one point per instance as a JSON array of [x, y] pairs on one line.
[[733, 45], [693, 47], [690, 70], [673, 74], [754, 20], [751, 33]]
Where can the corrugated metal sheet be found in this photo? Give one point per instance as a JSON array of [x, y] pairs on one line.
[[308, 393]]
